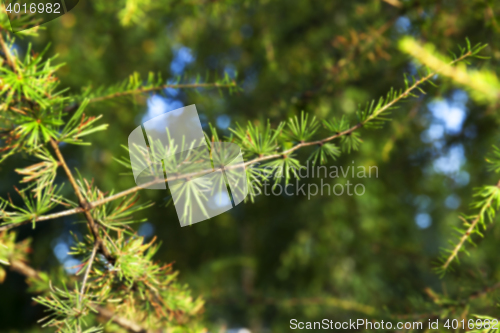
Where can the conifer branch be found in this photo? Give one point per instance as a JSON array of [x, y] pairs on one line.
[[26, 270], [370, 115], [89, 267], [47, 217], [135, 85], [483, 85], [165, 86], [83, 203], [134, 268], [473, 226]]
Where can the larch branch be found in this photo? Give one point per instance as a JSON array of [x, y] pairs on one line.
[[94, 228], [468, 233], [26, 270], [174, 86], [134, 189]]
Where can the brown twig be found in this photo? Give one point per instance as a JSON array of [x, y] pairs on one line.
[[83, 203]]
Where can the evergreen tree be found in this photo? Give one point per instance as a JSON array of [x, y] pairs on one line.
[[122, 284]]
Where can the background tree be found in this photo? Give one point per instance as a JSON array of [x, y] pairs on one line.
[[278, 258]]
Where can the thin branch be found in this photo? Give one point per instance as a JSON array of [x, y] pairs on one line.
[[175, 86], [83, 202], [469, 231], [45, 218], [89, 267]]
